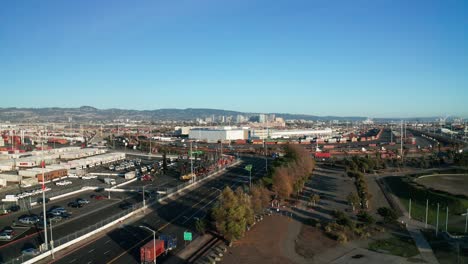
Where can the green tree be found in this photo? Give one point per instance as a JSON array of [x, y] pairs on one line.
[[232, 214], [200, 226]]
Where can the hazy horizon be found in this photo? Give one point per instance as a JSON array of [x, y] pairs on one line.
[[377, 59]]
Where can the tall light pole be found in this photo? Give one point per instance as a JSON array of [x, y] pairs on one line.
[[154, 240], [144, 202], [52, 241], [43, 197], [192, 179]]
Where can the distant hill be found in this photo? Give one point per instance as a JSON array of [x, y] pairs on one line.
[[89, 113]]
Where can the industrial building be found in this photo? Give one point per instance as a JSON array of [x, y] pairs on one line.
[[213, 135], [273, 133]]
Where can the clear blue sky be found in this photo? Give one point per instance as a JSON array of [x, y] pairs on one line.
[[377, 58]]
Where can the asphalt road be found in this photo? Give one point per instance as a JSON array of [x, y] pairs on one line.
[[170, 217], [88, 215]]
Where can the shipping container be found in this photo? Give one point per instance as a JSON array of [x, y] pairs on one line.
[[147, 252], [322, 155]]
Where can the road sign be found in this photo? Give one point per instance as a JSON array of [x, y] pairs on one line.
[[187, 236], [196, 152], [248, 167]]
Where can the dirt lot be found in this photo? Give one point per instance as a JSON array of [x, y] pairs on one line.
[[262, 244], [311, 241], [455, 184]]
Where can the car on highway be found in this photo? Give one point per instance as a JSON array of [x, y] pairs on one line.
[[57, 210], [30, 252], [54, 218], [8, 230], [14, 208], [97, 197], [75, 204], [125, 206], [65, 215], [40, 200], [82, 201], [5, 236], [28, 219]]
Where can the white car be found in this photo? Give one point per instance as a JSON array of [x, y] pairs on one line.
[[63, 183], [5, 236], [88, 177]]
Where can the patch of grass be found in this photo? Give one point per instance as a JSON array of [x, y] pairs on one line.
[[445, 252], [404, 189], [399, 246]]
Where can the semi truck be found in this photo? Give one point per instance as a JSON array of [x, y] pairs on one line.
[[110, 181], [155, 248]]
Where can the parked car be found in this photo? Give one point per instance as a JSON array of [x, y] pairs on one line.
[[63, 183], [30, 252]]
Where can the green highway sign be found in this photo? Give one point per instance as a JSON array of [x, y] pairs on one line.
[[248, 167], [187, 236], [196, 152]]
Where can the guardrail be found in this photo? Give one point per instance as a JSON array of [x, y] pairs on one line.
[[86, 232]]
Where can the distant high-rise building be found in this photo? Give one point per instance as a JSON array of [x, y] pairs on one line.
[[262, 118]]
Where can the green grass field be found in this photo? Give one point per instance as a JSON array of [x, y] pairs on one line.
[[404, 191], [396, 245]]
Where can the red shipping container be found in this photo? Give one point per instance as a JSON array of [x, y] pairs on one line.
[[147, 251], [322, 155], [241, 141]]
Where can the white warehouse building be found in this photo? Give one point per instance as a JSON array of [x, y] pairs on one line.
[[213, 135]]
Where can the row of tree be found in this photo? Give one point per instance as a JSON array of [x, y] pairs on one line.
[[290, 172], [235, 210]]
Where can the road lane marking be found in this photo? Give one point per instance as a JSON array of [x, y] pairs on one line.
[[72, 261], [106, 252], [164, 226], [107, 242], [91, 250]]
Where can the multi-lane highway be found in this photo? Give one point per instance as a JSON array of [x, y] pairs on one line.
[[173, 216]]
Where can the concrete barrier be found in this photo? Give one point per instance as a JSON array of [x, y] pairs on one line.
[[125, 183], [76, 240]]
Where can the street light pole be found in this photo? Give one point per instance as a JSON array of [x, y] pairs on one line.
[[144, 202], [52, 241], [43, 197], [154, 240], [192, 179]]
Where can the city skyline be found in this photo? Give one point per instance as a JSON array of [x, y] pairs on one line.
[[385, 59]]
